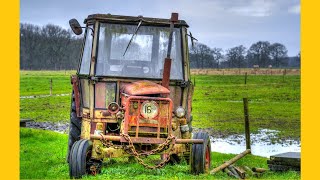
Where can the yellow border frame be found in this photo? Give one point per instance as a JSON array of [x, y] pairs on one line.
[[9, 91], [310, 89], [10, 86]]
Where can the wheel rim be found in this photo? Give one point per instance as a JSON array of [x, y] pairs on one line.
[[208, 159]]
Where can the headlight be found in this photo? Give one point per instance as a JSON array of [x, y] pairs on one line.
[[180, 112], [149, 109], [113, 108]]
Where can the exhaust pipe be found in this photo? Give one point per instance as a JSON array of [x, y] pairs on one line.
[[167, 60]]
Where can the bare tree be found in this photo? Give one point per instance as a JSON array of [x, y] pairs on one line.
[[278, 54], [217, 56], [259, 54], [236, 56], [201, 56], [48, 47]]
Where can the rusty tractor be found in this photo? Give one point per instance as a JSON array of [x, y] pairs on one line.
[[132, 95]]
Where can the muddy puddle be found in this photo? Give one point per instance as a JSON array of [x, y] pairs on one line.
[[262, 144]]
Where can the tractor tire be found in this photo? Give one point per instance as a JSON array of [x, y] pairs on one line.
[[80, 159], [74, 126], [200, 160]]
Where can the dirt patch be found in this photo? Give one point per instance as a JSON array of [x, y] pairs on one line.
[[57, 127]]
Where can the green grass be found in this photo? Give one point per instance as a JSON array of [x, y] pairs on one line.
[[217, 101], [54, 108], [38, 82], [273, 103], [42, 156]]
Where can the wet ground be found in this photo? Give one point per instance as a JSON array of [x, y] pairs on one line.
[[262, 143], [41, 96], [57, 127]]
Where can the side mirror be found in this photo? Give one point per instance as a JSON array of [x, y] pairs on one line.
[[75, 26]]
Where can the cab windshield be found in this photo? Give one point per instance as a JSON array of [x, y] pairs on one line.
[[144, 57]]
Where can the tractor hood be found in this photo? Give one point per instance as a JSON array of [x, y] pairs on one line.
[[144, 88]]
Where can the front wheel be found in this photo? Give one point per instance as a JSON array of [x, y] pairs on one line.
[[74, 126], [201, 154], [80, 162]]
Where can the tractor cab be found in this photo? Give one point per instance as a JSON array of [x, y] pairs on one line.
[[132, 93]]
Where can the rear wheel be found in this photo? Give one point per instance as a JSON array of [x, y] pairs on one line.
[[74, 126], [80, 162], [200, 154]]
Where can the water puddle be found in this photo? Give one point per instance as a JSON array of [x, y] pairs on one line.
[[262, 144], [41, 96], [52, 126]]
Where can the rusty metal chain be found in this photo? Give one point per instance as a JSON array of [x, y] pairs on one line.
[[168, 143], [107, 143]]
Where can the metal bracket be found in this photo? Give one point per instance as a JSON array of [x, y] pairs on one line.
[[93, 79], [183, 84]]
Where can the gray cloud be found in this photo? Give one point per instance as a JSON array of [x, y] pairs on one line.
[[295, 9], [255, 8], [216, 23]]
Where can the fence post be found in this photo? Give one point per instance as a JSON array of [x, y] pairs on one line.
[[245, 78], [284, 73], [246, 121], [51, 87]]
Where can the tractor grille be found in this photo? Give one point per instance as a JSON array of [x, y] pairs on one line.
[[149, 117]]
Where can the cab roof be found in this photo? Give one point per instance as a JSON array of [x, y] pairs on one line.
[[132, 20]]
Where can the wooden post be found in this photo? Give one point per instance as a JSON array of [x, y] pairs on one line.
[[230, 173], [258, 170], [248, 170], [246, 121], [231, 161], [245, 78], [284, 73], [231, 168], [51, 87]]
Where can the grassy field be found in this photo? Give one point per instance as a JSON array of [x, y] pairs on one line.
[[274, 102], [42, 156], [38, 82]]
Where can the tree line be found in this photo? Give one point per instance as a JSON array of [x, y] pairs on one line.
[[260, 54], [49, 47], [52, 47]]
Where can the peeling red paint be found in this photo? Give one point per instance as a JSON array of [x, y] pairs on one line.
[[144, 88]]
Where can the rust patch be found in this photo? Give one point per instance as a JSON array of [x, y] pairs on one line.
[[133, 116], [189, 108], [100, 95], [75, 87], [144, 88], [175, 95], [166, 73]]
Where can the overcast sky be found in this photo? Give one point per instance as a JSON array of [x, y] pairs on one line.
[[222, 24]]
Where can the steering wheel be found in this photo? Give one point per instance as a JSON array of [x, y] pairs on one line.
[[140, 70]]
